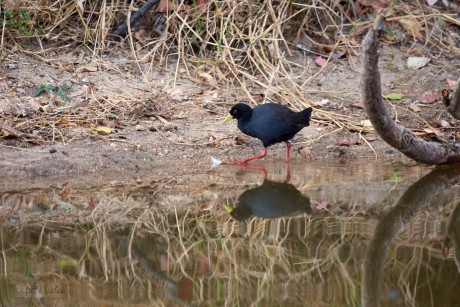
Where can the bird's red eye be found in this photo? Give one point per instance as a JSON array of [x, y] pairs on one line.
[[234, 112]]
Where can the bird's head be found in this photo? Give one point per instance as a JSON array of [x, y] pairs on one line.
[[238, 111]]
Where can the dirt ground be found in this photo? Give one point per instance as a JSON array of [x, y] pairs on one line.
[[176, 119]]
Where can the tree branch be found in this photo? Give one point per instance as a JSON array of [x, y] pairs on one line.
[[396, 135], [122, 30]]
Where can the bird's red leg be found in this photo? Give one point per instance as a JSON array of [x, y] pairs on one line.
[[288, 148], [263, 154], [261, 170], [288, 172]]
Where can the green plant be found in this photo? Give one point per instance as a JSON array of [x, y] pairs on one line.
[[19, 19], [56, 90]]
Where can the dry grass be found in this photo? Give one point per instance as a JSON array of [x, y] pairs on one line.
[[286, 260], [248, 45]]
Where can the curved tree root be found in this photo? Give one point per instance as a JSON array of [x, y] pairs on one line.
[[394, 134]]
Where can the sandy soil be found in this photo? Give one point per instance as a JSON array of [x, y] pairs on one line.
[[177, 121]]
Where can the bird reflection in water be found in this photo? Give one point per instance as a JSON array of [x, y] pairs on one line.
[[271, 199]]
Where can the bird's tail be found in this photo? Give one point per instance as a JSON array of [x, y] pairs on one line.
[[305, 115]]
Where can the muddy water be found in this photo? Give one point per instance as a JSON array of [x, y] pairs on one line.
[[329, 234]]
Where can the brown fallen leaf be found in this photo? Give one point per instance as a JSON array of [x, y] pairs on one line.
[[414, 107], [164, 6], [320, 61], [328, 49], [322, 205], [201, 5], [87, 68], [429, 97], [388, 37], [62, 121], [433, 131], [207, 78], [377, 6], [359, 105]]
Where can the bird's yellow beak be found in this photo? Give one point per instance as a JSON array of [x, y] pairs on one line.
[[228, 208], [228, 118]]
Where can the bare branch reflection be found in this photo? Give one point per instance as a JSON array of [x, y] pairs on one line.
[[417, 197]]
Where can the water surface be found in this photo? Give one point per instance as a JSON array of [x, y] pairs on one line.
[[324, 234]]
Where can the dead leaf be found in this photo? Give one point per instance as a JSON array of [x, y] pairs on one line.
[[444, 123], [328, 49], [201, 5], [394, 96], [164, 6], [414, 62], [140, 35], [377, 6], [102, 130], [320, 61], [359, 105], [207, 78], [414, 107], [429, 97], [322, 205], [62, 121], [366, 123], [320, 103], [388, 37], [87, 68], [432, 131]]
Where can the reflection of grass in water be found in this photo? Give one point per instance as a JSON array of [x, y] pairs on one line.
[[261, 262]]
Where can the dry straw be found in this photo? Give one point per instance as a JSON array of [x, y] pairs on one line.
[[247, 45]]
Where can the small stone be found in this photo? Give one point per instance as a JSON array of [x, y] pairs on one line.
[[139, 128]]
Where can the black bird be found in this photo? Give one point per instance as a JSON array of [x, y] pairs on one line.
[[271, 200], [271, 123]]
